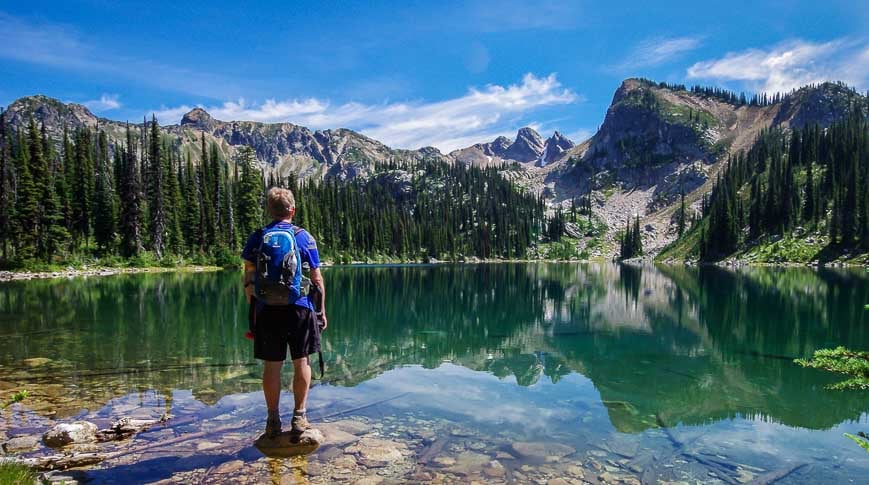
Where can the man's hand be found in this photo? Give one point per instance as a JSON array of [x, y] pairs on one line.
[[317, 279]]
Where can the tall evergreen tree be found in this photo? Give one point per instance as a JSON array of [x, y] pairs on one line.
[[83, 185], [192, 212], [156, 191], [105, 211], [131, 200], [7, 187], [250, 192]]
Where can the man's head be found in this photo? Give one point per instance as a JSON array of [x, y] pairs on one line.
[[281, 204]]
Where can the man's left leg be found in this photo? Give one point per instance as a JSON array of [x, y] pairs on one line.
[[304, 341], [301, 385]]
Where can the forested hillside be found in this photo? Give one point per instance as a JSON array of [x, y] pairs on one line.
[[150, 202], [795, 195]]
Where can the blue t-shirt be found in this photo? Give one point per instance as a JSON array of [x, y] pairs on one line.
[[307, 251]]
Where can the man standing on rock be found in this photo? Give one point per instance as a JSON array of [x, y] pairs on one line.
[[282, 314]]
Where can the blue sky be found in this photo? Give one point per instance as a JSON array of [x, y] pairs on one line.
[[414, 73]]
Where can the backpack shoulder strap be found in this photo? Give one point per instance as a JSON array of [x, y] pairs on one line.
[[258, 251]]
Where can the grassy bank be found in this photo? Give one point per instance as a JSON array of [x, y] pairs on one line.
[[794, 248]]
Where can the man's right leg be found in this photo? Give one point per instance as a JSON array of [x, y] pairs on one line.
[[272, 383], [272, 392]]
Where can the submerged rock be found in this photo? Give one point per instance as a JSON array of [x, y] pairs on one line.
[[20, 443], [68, 433], [375, 452], [542, 450], [335, 436], [285, 444]]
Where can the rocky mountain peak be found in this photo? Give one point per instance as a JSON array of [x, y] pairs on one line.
[[527, 147], [556, 146], [198, 118]]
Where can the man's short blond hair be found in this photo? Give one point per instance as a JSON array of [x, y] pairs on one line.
[[280, 203]]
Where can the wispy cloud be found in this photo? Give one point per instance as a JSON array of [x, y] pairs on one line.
[[478, 58], [658, 50], [63, 47], [478, 115], [106, 102], [790, 65], [579, 135]]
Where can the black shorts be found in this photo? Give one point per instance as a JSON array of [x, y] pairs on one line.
[[277, 327]]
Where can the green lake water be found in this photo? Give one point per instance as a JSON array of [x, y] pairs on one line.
[[662, 373]]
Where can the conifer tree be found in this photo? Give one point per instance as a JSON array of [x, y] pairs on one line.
[[192, 213], [105, 211], [206, 202], [173, 200], [131, 200], [83, 185], [27, 205], [809, 194], [7, 187], [250, 192], [156, 191]]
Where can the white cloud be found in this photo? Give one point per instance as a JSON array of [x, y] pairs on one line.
[[479, 115], [790, 65], [105, 103], [656, 51]]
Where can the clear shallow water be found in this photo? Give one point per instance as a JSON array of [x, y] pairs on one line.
[[663, 373]]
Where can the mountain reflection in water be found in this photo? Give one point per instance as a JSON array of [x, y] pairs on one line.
[[661, 345]]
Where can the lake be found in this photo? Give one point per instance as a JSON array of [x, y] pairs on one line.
[[496, 372]]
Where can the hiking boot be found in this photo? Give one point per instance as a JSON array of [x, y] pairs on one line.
[[299, 424], [273, 427]]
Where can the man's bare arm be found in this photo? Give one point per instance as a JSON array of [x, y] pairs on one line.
[[249, 270], [317, 279]]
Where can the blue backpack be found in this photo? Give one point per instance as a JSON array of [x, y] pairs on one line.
[[278, 278]]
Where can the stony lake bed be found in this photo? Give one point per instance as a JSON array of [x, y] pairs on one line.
[[511, 373]]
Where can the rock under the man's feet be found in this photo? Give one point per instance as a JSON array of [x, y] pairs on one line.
[[286, 444]]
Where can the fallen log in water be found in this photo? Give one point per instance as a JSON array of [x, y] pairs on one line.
[[434, 449], [77, 460], [126, 427], [61, 462], [775, 476]]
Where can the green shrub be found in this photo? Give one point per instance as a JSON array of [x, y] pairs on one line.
[[11, 472], [849, 362]]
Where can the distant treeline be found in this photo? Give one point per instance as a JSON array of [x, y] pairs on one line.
[[145, 199], [811, 177], [420, 210]]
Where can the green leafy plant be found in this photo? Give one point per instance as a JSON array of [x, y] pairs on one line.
[[17, 397], [849, 362], [860, 439], [11, 472]]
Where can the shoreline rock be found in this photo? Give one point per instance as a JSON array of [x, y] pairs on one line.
[[98, 271], [77, 432]]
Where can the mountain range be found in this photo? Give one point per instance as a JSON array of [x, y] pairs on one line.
[[655, 142]]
